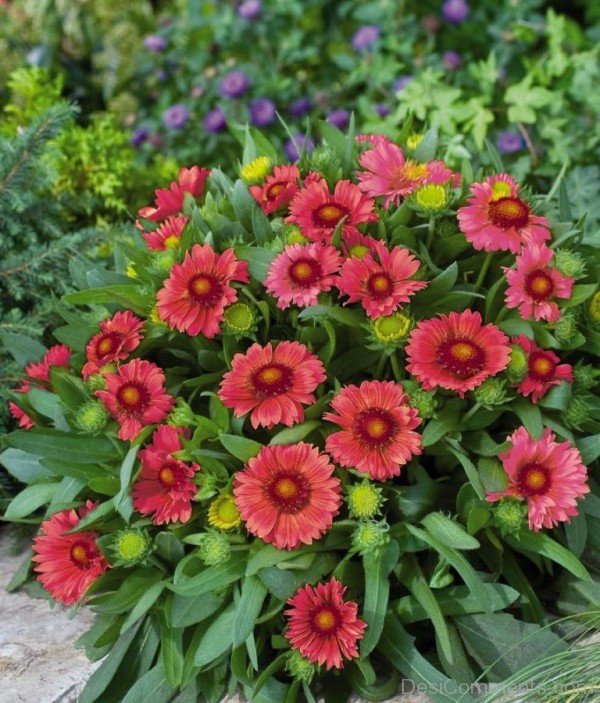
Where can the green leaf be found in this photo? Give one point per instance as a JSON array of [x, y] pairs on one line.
[[29, 500], [211, 578], [427, 147], [449, 531], [581, 292], [291, 435], [55, 444], [23, 349], [248, 609], [258, 260], [540, 543], [69, 389], [126, 295], [171, 641], [186, 610], [143, 605], [152, 687], [23, 466], [589, 448], [125, 477], [576, 532], [240, 447], [530, 415], [468, 466], [261, 227], [217, 639], [352, 318]]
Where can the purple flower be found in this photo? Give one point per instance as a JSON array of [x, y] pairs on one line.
[[214, 120], [300, 107], [339, 118], [451, 60], [155, 43], [262, 112], [139, 136], [234, 84], [382, 109], [508, 142], [455, 11], [294, 148], [365, 37], [176, 116], [401, 83], [249, 9]]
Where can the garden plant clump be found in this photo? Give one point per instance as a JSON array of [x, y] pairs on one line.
[[327, 423]]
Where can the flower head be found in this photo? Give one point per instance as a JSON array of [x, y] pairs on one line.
[[214, 121], [339, 118], [364, 37], [456, 351], [91, 416], [380, 281], [455, 11], [287, 495], [544, 370], [377, 434], [118, 337], [130, 546], [278, 189], [322, 626], [193, 298], [155, 43], [262, 112], [58, 355], [300, 107], [508, 142], [497, 219], [234, 84], [273, 383], [176, 116], [249, 9], [364, 500], [534, 284], [169, 201], [135, 396], [223, 513], [257, 170], [214, 549], [295, 147], [67, 564], [549, 475], [167, 235]]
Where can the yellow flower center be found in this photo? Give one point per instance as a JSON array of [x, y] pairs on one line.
[[172, 242], [500, 189], [359, 251], [286, 488], [463, 351], [130, 395]]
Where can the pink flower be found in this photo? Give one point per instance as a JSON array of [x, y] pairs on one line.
[[166, 235], [135, 396], [272, 383], [389, 173], [544, 370], [497, 219], [165, 487], [317, 212], [377, 435], [456, 351], [198, 290], [287, 495], [117, 338], [25, 422], [169, 201], [548, 475], [322, 626], [58, 355], [358, 244], [301, 272], [278, 189], [534, 284], [373, 139], [380, 280]]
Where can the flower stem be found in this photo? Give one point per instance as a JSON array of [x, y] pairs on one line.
[[395, 367], [468, 415], [484, 269], [430, 232]]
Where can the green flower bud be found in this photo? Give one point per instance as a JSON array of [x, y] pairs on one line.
[[364, 500], [239, 319], [565, 328], [392, 328], [517, 366], [129, 547], [91, 416], [585, 375], [571, 263], [293, 235], [300, 668], [96, 382], [490, 392], [509, 515], [577, 412], [163, 260], [595, 307], [423, 401], [446, 228], [182, 415], [370, 535], [214, 548], [430, 199], [325, 161]]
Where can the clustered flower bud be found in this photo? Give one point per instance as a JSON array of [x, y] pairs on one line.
[[130, 546], [509, 515], [370, 535], [182, 414], [571, 263], [577, 412], [257, 170], [424, 402], [300, 668], [214, 548], [91, 416], [517, 366], [490, 392], [364, 500]]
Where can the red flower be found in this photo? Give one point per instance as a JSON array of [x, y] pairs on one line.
[[322, 626], [278, 189], [117, 338], [67, 564], [167, 235], [25, 422], [544, 370], [135, 396], [169, 201], [58, 355]]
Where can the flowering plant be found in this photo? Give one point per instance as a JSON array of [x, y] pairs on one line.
[[325, 425]]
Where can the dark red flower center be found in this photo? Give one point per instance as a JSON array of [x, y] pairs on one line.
[[109, 343], [534, 479], [171, 475], [133, 398], [539, 285], [461, 357], [288, 492], [205, 289], [82, 555], [375, 427], [329, 215], [275, 190], [380, 285], [540, 365], [509, 212], [325, 620], [305, 272], [273, 379]]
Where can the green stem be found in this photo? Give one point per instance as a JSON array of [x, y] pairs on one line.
[[395, 367], [430, 233], [501, 315], [468, 415], [484, 269]]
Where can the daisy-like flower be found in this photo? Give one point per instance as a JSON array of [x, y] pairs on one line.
[[273, 383], [58, 355], [324, 627], [534, 284], [223, 513], [167, 235], [317, 212], [497, 219], [301, 272], [117, 338], [456, 351], [544, 370], [377, 436], [67, 564], [198, 290], [169, 201], [278, 189], [165, 487], [549, 475], [389, 173], [358, 244], [287, 494], [380, 280], [135, 396], [25, 422]]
